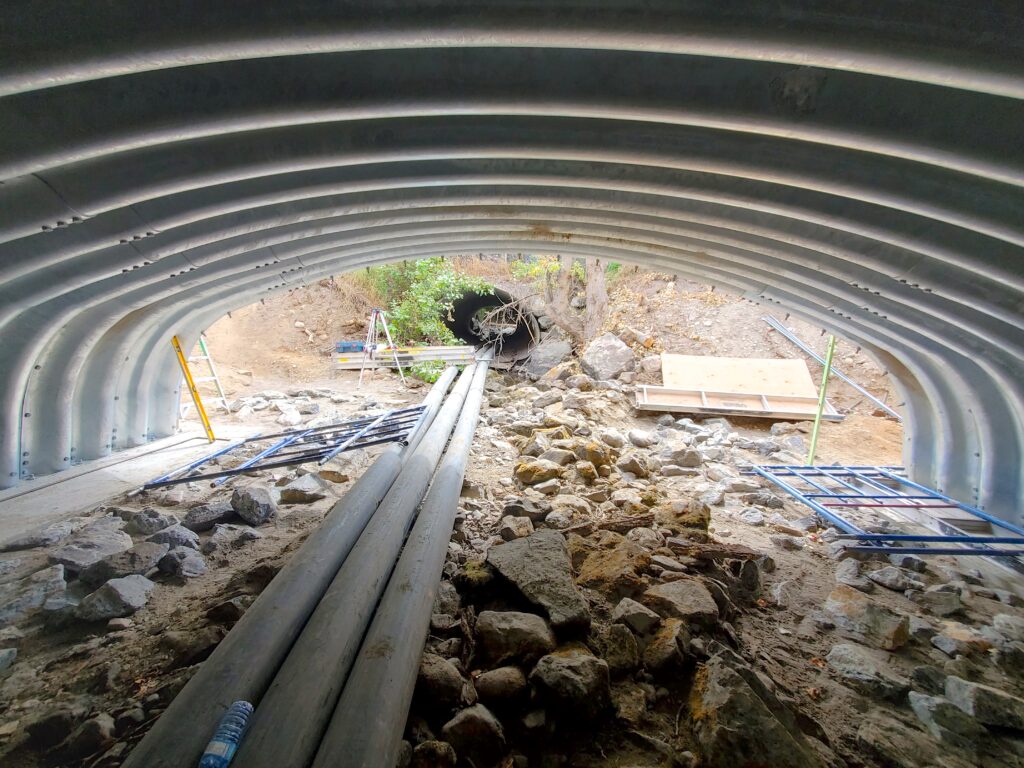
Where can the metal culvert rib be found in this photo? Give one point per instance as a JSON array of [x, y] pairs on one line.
[[861, 167]]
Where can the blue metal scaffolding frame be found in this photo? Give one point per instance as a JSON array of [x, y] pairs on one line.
[[833, 492]]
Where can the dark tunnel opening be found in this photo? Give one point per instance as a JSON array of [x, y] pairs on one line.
[[498, 319]]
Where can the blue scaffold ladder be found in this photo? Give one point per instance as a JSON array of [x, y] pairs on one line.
[[844, 496]]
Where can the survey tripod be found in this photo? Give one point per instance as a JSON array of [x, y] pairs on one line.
[[378, 326]]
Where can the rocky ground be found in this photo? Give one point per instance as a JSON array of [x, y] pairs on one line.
[[104, 616], [617, 591], [627, 597]]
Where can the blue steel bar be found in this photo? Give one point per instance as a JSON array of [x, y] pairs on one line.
[[839, 522], [397, 427], [958, 552], [832, 476], [887, 492], [264, 453], [416, 426], [835, 372], [862, 496], [966, 508], [328, 441], [869, 542], [299, 459], [349, 424], [199, 462], [343, 445], [933, 537], [819, 486], [817, 469]]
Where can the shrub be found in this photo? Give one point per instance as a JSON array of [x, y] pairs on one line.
[[419, 296]]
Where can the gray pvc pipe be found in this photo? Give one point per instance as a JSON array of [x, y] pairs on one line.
[[289, 721], [245, 662], [368, 722]]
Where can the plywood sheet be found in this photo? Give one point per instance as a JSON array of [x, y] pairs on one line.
[[731, 404], [775, 377]]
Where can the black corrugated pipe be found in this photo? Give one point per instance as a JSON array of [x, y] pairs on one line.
[[511, 336], [245, 662], [291, 718], [367, 725]]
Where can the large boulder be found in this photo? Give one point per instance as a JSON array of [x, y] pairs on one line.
[[91, 544], [504, 636], [116, 598], [550, 352], [865, 671], [538, 566], [204, 516], [500, 686], [43, 537], [534, 509], [617, 572], [575, 682], [25, 597], [514, 527], [227, 537], [617, 645], [148, 520], [537, 471], [439, 683], [986, 704], [606, 357], [857, 617], [476, 735], [686, 599], [1009, 626], [667, 648], [139, 559], [679, 453], [304, 490], [886, 740], [183, 562], [254, 504], [432, 754], [740, 723], [596, 453], [947, 722], [176, 536], [637, 617]]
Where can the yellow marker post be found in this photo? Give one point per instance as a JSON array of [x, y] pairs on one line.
[[183, 362], [821, 398]]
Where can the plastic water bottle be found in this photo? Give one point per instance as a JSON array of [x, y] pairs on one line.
[[226, 738]]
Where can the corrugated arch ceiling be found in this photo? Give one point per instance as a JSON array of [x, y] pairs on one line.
[[857, 163]]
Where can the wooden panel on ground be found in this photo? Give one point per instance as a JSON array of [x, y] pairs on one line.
[[707, 402], [752, 376]]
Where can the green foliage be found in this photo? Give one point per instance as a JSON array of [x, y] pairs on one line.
[[428, 371], [612, 269], [419, 296], [534, 267], [537, 268]]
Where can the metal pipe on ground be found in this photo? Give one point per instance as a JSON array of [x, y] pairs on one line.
[[243, 665], [795, 340], [367, 725], [291, 717]]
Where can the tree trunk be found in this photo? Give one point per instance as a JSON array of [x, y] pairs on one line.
[[597, 299], [557, 296]]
